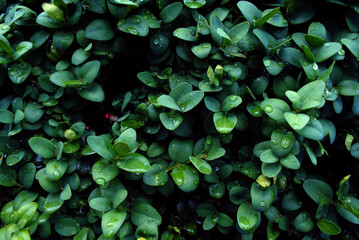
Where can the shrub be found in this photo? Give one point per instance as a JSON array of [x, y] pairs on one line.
[[169, 120]]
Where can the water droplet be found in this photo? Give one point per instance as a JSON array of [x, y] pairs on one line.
[[179, 181], [284, 21], [327, 44], [214, 219], [233, 98], [57, 174], [120, 23], [100, 181], [266, 62], [268, 109], [315, 66], [132, 30], [195, 182], [262, 203], [341, 52], [305, 63], [156, 41], [285, 142]]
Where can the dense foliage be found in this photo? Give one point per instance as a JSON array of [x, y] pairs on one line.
[[191, 119]]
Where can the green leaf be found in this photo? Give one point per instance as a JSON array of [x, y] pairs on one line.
[[42, 147], [22, 48], [93, 92], [194, 4], [268, 14], [326, 50], [135, 163], [63, 40], [275, 108], [102, 146], [271, 169], [224, 122], [129, 137], [348, 209], [202, 50], [53, 11], [352, 45], [303, 222], [26, 212], [180, 150], [268, 157], [99, 30], [314, 130], [148, 79], [291, 55], [52, 203], [348, 88], [67, 226], [266, 39], [6, 116], [281, 143], [185, 177], [27, 174], [250, 12], [290, 161], [184, 34], [45, 20], [142, 212], [19, 72], [168, 101], [215, 24], [224, 220], [155, 150], [60, 78], [296, 120], [188, 101], [80, 56], [212, 104], [156, 175], [103, 172], [33, 112], [171, 12], [308, 53], [291, 202], [112, 221], [273, 67], [217, 190], [14, 158], [230, 102], [310, 69], [354, 150], [208, 224], [171, 120], [202, 165], [247, 217], [5, 45], [318, 190], [328, 227], [311, 154], [23, 198], [56, 169], [135, 25], [238, 32], [66, 194], [102, 204], [262, 198]]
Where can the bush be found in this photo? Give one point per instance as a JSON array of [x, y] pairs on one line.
[[169, 120]]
